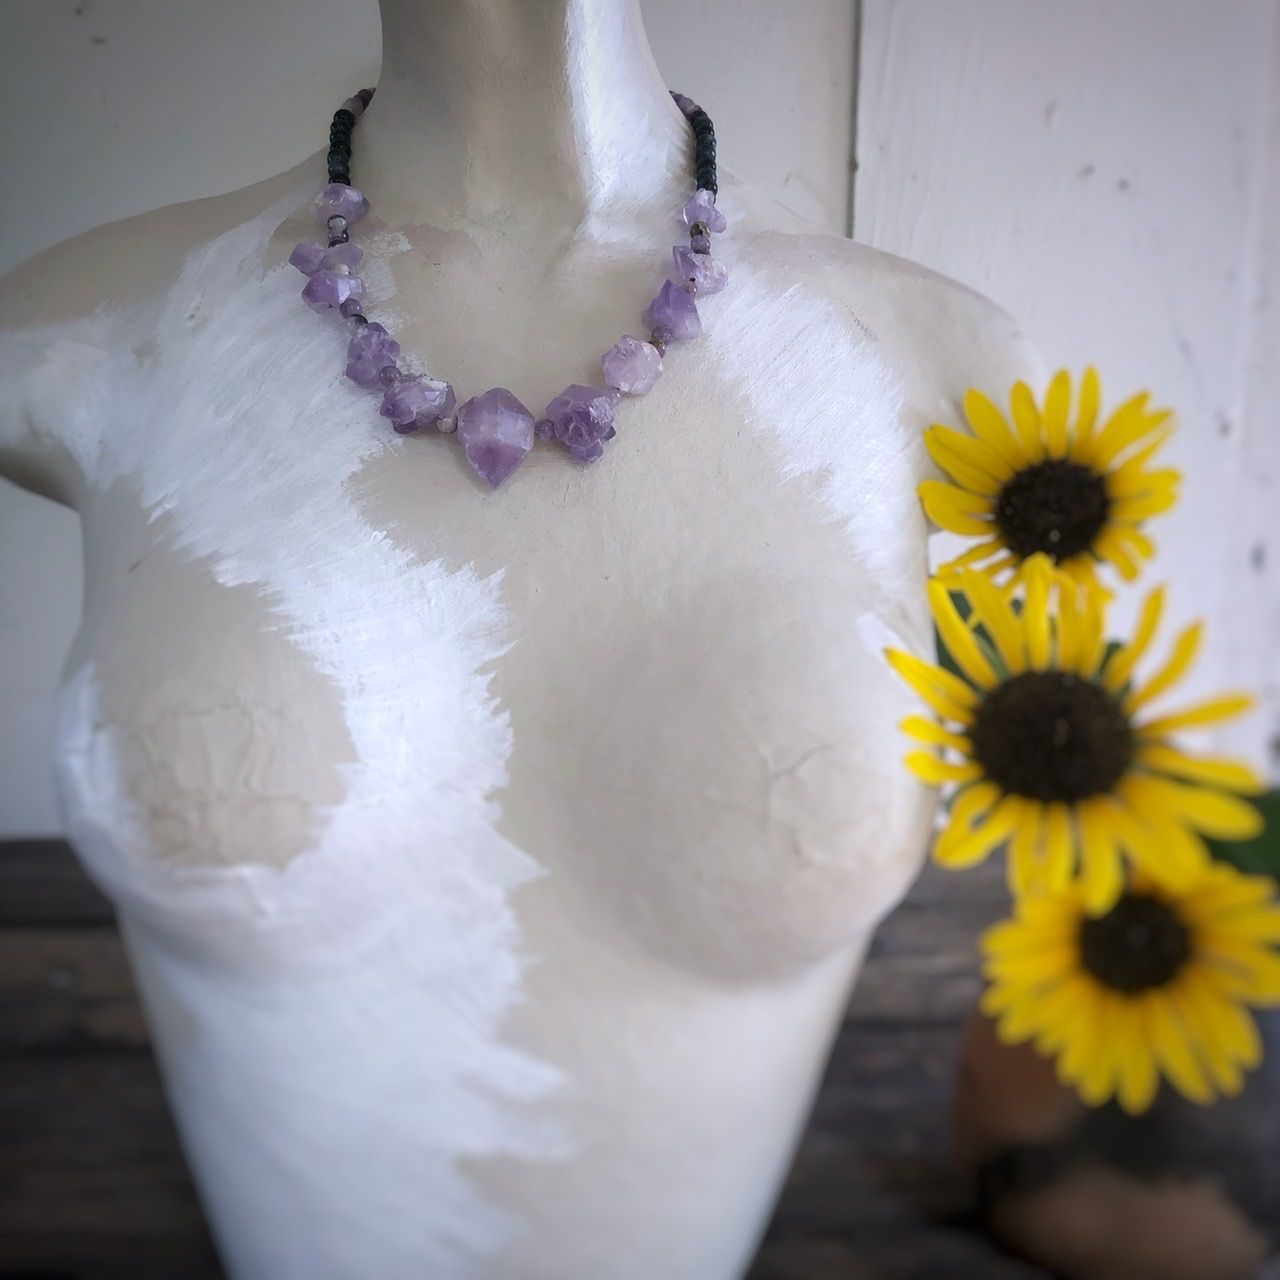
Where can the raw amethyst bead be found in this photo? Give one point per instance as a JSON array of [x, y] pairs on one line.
[[308, 258], [371, 347], [707, 273], [416, 402], [632, 366], [582, 419], [701, 207], [342, 200], [342, 255], [674, 309], [328, 290], [496, 432]]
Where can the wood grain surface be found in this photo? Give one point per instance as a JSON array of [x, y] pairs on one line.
[[93, 1184]]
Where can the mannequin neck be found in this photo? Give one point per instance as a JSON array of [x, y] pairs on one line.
[[503, 107]]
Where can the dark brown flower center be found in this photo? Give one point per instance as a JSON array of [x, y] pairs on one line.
[[1056, 506], [1051, 735], [1139, 944]]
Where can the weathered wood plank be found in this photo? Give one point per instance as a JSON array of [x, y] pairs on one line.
[[41, 883]]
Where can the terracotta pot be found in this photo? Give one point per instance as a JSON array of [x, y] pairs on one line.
[[1181, 1193]]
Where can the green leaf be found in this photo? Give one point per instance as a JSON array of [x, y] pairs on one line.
[[1261, 855]]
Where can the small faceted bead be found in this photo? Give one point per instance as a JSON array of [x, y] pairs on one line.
[[328, 290], [447, 425], [674, 309], [496, 431], [632, 366], [337, 225], [415, 402], [701, 207], [355, 106], [582, 419], [371, 348], [700, 243], [660, 338], [353, 308], [389, 375], [308, 258], [340, 200], [708, 274]]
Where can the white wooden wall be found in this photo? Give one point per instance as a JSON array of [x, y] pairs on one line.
[[1109, 172]]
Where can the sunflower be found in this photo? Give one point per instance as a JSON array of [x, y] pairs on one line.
[[1054, 748], [1051, 484], [1159, 985]]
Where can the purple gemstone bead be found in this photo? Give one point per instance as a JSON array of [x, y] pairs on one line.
[[371, 347], [346, 202], [328, 290], [496, 432], [674, 309], [582, 419], [308, 258], [342, 255], [415, 402], [707, 274], [632, 366], [700, 243], [701, 207]]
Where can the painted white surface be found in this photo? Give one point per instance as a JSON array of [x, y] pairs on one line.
[[1102, 171], [142, 105]]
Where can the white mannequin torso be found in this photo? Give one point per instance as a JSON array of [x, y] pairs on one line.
[[494, 864]]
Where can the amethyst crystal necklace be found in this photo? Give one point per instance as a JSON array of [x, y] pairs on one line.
[[495, 429]]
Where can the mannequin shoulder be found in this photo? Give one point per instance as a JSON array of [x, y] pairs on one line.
[[938, 337], [69, 311]]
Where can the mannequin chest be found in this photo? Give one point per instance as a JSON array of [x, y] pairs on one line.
[[660, 672]]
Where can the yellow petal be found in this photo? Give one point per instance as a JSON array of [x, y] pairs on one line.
[[1231, 775], [959, 640], [1216, 813], [973, 802], [1183, 654], [991, 609], [971, 462], [1060, 847], [969, 849], [1225, 707], [1057, 404], [1038, 575], [925, 730], [1087, 414], [1137, 1077], [1103, 875], [990, 426], [921, 674], [1120, 667], [1026, 418], [936, 771], [1167, 1035], [953, 509], [1141, 508]]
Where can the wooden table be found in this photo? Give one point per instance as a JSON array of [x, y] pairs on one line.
[[93, 1185]]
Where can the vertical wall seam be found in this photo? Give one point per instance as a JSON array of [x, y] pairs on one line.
[[855, 80]]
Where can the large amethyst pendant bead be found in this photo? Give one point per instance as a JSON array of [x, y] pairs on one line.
[[582, 419], [416, 402], [632, 366], [708, 274], [701, 207], [342, 200], [496, 431], [674, 309], [328, 290], [371, 348]]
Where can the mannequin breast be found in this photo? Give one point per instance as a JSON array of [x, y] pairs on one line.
[[354, 740]]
